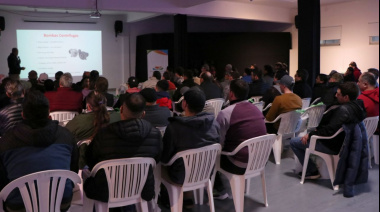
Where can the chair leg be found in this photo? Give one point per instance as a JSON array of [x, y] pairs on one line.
[[88, 204], [264, 188], [237, 186], [101, 206], [144, 206], [201, 194], [277, 149], [175, 197], [210, 196], [305, 163], [375, 146], [369, 153], [196, 196], [247, 186]]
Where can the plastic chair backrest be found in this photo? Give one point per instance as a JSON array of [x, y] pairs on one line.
[[315, 114], [38, 188], [63, 115], [267, 107], [125, 177], [259, 105], [305, 103], [371, 125], [162, 130], [217, 104], [256, 98], [315, 101], [289, 121], [199, 164]]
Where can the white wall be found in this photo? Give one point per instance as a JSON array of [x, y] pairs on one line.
[[354, 18], [113, 48]]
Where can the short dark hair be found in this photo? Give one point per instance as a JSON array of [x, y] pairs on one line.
[[179, 70], [49, 85], [351, 89], [235, 75], [135, 103], [257, 72], [133, 82], [162, 85], [14, 89], [269, 70], [195, 100], [240, 88], [351, 70], [167, 75], [323, 77], [368, 78], [303, 73], [58, 75], [375, 72], [353, 64], [101, 85], [188, 74], [94, 74], [157, 75], [279, 74], [248, 71], [35, 108], [149, 94]]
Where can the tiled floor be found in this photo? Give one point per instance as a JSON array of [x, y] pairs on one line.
[[286, 194]]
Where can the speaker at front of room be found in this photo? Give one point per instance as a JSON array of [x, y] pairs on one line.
[[118, 27], [2, 23]]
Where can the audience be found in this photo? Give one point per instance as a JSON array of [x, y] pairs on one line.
[[49, 85], [284, 103], [320, 86], [94, 75], [167, 77], [156, 115], [357, 71], [247, 75], [35, 84], [211, 90], [188, 81], [275, 90], [130, 137], [329, 98], [349, 75], [301, 88], [65, 98], [178, 76], [268, 77], [57, 76], [10, 115], [101, 86], [369, 94], [152, 81], [258, 87], [36, 144], [163, 98]]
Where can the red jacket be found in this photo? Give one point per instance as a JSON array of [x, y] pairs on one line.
[[65, 99], [357, 74], [371, 101], [171, 86], [164, 102]]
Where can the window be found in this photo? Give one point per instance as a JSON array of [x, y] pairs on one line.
[[373, 40], [373, 29], [335, 42], [331, 35]]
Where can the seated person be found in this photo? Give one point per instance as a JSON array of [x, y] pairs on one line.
[[320, 86], [274, 90], [257, 87], [200, 129], [36, 144], [329, 98], [152, 81], [163, 98], [211, 90], [369, 93], [156, 115], [301, 88], [130, 137], [65, 98], [101, 86]]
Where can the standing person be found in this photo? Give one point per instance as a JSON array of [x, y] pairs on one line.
[[14, 62], [357, 71]]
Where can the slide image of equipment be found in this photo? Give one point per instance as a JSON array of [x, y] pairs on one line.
[[82, 54], [73, 52]]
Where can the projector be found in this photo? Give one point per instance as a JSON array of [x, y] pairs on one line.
[[95, 14]]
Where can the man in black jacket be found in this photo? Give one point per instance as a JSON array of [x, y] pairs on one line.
[[257, 87], [130, 137], [301, 88], [14, 65], [350, 111]]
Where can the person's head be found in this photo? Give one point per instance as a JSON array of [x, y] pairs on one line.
[[278, 66], [149, 95], [188, 74], [14, 89], [58, 75], [15, 51], [268, 71], [321, 79], [286, 84], [66, 80], [94, 74], [101, 85], [86, 74], [349, 71], [337, 77], [157, 75], [35, 109], [375, 72], [205, 68], [193, 101], [96, 103], [228, 68], [353, 64], [43, 77], [347, 92], [179, 71], [247, 72], [49, 85], [238, 90], [301, 75], [133, 82], [279, 74], [162, 85], [206, 77], [366, 81], [133, 107], [235, 75], [86, 83], [32, 75], [166, 75], [256, 75]]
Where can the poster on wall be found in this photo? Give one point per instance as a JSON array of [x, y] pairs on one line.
[[158, 60]]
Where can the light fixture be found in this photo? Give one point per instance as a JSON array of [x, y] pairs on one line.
[[96, 14]]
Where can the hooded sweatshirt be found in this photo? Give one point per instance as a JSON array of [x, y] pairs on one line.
[[25, 150], [371, 101], [185, 133], [123, 139]]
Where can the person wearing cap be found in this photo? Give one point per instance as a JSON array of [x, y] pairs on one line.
[[200, 128], [133, 84], [156, 115], [301, 88], [284, 103]]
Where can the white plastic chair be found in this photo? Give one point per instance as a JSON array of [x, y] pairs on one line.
[[199, 165], [256, 98], [126, 178], [315, 101], [287, 129], [370, 126], [37, 188], [311, 119], [162, 130], [259, 105], [330, 160], [217, 104], [267, 107], [63, 116], [259, 150], [305, 103]]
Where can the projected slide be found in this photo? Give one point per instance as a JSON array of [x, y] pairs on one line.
[[50, 51]]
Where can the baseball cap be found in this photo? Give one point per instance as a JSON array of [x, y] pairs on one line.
[[287, 80]]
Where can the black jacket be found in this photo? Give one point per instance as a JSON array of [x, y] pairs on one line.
[[211, 90], [185, 133], [318, 91], [349, 113], [14, 64], [188, 83], [303, 90], [329, 97], [10, 116], [257, 88], [123, 139]]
